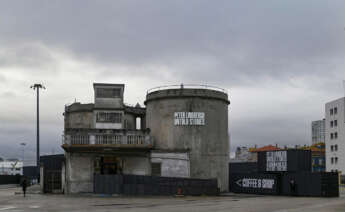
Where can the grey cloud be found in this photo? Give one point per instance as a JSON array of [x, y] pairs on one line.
[[26, 56], [241, 41], [2, 79], [230, 44], [7, 94]]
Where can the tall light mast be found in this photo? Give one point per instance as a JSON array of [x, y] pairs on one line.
[[37, 87]]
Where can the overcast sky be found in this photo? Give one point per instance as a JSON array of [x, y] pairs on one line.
[[281, 61]]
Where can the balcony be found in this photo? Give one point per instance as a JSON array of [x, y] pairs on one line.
[[136, 140]]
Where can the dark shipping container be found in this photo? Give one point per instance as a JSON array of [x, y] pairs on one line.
[[322, 184], [255, 183], [293, 160], [246, 167]]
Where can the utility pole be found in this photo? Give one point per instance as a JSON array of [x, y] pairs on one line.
[[37, 87]]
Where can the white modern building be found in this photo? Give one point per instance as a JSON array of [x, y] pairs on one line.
[[335, 135], [11, 168], [318, 131]]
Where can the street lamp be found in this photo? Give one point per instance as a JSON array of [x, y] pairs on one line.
[[23, 145], [37, 87]]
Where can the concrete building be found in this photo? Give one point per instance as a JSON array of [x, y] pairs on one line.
[[183, 132], [335, 135], [102, 138], [318, 131], [11, 168], [191, 123]]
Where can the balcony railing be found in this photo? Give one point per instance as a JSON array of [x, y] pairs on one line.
[[136, 139]]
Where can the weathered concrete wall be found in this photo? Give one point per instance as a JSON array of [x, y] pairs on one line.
[[108, 103], [208, 144], [137, 165], [81, 119], [63, 178], [172, 164], [79, 173], [130, 121]]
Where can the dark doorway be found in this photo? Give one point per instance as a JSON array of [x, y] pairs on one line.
[[52, 181], [109, 165]]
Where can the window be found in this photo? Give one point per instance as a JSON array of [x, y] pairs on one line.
[[109, 117], [336, 147], [108, 92], [332, 160], [335, 123], [331, 112], [335, 135], [331, 148], [335, 110], [336, 160], [331, 124], [156, 169], [331, 135]]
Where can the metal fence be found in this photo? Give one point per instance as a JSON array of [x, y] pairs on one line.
[[153, 185]]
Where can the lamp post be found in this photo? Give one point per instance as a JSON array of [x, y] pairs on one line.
[[23, 145], [37, 87]]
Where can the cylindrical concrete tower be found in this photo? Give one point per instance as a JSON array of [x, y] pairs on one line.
[[193, 119]]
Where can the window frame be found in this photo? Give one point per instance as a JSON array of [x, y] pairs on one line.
[[109, 117]]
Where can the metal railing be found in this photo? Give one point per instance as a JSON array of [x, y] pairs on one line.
[[133, 139], [186, 86]]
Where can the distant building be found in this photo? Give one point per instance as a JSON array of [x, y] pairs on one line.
[[11, 168], [318, 131], [335, 135], [242, 155], [255, 150], [245, 154]]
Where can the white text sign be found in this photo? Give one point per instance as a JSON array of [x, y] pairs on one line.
[[189, 118]]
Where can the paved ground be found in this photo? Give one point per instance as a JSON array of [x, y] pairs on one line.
[[35, 202]]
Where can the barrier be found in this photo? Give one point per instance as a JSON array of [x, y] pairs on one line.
[[9, 179], [153, 185]]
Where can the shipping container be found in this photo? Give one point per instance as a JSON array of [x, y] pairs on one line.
[[292, 160], [255, 183], [246, 167], [322, 184]]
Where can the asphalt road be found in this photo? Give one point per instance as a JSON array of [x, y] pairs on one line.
[[36, 202]]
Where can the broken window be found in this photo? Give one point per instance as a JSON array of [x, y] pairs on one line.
[[156, 169], [109, 117], [108, 92]]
